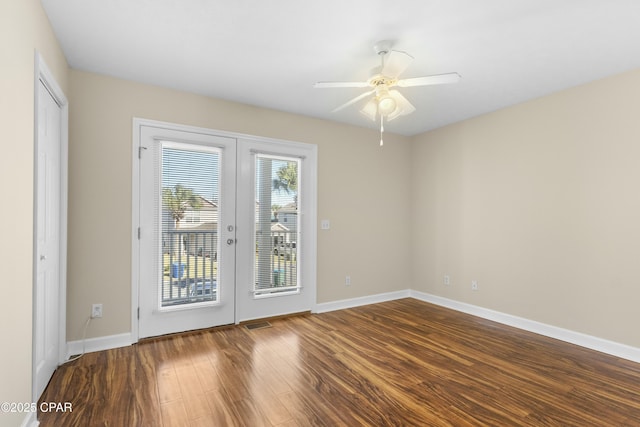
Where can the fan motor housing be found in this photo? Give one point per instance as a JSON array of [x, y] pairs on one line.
[[380, 80]]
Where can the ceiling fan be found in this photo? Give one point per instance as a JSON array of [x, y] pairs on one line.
[[386, 102]]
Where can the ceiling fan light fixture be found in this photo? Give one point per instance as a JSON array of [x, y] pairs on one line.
[[370, 110], [386, 105], [394, 114]]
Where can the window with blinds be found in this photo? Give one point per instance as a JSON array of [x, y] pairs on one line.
[[277, 225], [189, 198]]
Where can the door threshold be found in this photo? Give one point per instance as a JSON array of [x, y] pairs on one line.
[[272, 318], [184, 333], [245, 323]]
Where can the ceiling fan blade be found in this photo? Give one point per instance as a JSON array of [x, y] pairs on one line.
[[323, 85], [353, 101], [370, 110], [437, 79], [403, 106], [395, 62]]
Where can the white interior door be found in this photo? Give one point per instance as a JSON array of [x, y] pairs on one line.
[[187, 230], [46, 350]]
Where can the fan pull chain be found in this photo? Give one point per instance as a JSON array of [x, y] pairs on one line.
[[381, 129]]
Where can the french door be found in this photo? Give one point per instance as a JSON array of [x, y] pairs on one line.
[[187, 230], [223, 235], [276, 205]]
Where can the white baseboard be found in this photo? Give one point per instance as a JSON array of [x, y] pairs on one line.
[[98, 344], [357, 302], [594, 343]]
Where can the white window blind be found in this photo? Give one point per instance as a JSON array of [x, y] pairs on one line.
[[277, 230], [188, 225]]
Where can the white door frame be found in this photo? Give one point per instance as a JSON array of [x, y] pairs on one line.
[[44, 75], [135, 209]]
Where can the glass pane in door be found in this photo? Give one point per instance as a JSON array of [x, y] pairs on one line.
[[277, 230], [190, 178]]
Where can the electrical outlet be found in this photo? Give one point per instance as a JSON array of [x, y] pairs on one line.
[[347, 280], [96, 311], [447, 280], [474, 285]]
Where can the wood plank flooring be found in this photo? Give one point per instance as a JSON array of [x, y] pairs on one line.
[[397, 363]]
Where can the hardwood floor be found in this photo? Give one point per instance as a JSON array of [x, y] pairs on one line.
[[403, 362]]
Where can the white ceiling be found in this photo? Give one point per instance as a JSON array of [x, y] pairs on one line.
[[269, 53]]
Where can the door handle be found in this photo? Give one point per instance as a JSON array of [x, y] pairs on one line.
[[230, 241]]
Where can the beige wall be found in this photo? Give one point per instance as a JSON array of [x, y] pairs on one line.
[[23, 29], [363, 190], [540, 204], [537, 202]]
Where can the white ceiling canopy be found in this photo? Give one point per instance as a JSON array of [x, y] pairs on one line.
[[270, 53]]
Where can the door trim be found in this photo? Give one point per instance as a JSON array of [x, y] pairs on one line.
[[135, 206], [43, 74]]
